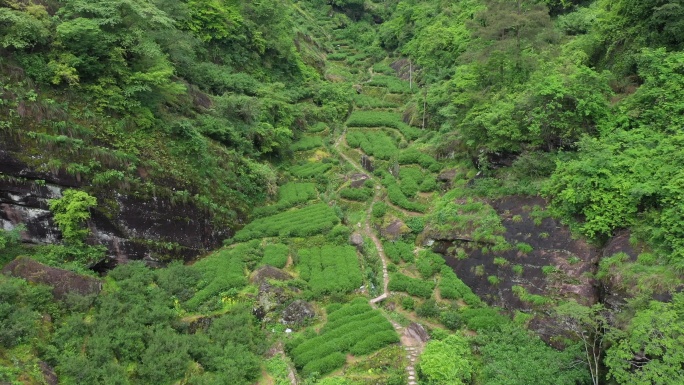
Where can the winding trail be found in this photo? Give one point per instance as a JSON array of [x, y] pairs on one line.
[[412, 346]]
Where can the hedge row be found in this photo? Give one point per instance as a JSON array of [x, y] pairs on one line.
[[399, 251], [429, 263], [289, 195], [375, 143], [307, 143], [397, 197], [366, 101], [310, 170], [413, 286], [221, 271], [356, 194], [451, 287], [360, 118], [310, 220], [413, 156], [352, 328], [275, 255], [392, 83], [330, 269]]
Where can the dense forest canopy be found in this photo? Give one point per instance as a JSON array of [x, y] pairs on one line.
[[507, 173]]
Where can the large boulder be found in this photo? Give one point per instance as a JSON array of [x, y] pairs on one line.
[[298, 312], [63, 282]]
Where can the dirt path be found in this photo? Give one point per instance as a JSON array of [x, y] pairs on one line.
[[412, 346]]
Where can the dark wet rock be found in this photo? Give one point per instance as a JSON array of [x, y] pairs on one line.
[[62, 281], [358, 179], [267, 272], [49, 374], [132, 228], [558, 266], [298, 312], [418, 332], [367, 164]]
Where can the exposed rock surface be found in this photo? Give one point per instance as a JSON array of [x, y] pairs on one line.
[[130, 227], [558, 266], [62, 281], [395, 229], [358, 179], [265, 273], [298, 312], [356, 239], [417, 332], [367, 164]]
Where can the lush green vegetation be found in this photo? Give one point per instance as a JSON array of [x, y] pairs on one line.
[[376, 143], [383, 119], [352, 328], [310, 220], [413, 286], [399, 251], [289, 195], [330, 269]]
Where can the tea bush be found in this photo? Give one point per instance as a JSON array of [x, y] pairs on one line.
[[310, 220], [413, 286], [330, 269]]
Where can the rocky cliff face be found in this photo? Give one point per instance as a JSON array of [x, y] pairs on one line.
[[132, 228]]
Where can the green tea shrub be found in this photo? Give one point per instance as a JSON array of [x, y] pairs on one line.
[[275, 255], [289, 195], [330, 269], [392, 83], [413, 286], [377, 143], [369, 102], [307, 221], [451, 287], [307, 143], [310, 170], [356, 194], [413, 156], [379, 210], [488, 318], [354, 328], [383, 119], [429, 263], [399, 251]]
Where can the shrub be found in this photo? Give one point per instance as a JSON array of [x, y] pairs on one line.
[[307, 143], [408, 303], [377, 143], [399, 251], [310, 220], [275, 255], [484, 319], [310, 170], [379, 210], [383, 119], [318, 127], [451, 287], [413, 156], [330, 269], [356, 194], [429, 263], [289, 195], [392, 83], [366, 101], [413, 286], [351, 328]]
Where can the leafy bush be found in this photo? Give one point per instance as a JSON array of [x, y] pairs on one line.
[[310, 220], [356, 194], [429, 263], [376, 143], [220, 272], [383, 119], [451, 287], [413, 156], [399, 251], [307, 143], [310, 170], [369, 102], [351, 328], [289, 195], [484, 319], [318, 127], [275, 255], [379, 209], [392, 83], [413, 286], [330, 269]]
